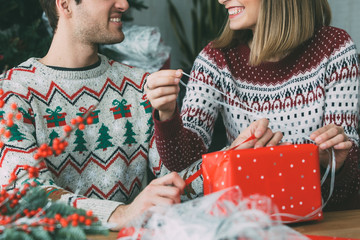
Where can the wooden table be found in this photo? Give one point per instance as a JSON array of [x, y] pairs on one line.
[[345, 224]]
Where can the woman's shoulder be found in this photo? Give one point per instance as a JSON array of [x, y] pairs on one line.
[[329, 40], [210, 51], [332, 35], [221, 55]]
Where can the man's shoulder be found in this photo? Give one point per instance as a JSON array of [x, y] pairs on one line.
[[20, 71], [127, 74], [19, 76]]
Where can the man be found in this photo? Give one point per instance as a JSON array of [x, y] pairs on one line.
[[104, 167]]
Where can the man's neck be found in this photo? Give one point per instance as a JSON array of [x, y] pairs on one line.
[[68, 54]]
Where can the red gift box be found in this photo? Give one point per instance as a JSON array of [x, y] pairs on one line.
[[28, 116], [147, 106], [94, 114], [55, 119], [121, 110], [289, 175]]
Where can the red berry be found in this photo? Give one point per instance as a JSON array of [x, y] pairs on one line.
[[13, 106], [67, 128], [89, 120]]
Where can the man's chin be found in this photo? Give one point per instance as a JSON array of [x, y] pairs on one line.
[[113, 40]]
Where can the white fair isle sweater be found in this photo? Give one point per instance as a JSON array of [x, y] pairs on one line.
[[106, 163], [315, 85]]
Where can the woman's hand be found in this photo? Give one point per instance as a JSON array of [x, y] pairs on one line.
[[162, 89], [332, 136], [263, 136]]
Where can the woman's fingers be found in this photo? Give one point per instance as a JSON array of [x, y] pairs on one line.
[[162, 89], [264, 139], [343, 145], [163, 78], [275, 140], [341, 141], [328, 131], [259, 127], [330, 136]]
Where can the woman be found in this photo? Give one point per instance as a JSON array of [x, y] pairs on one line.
[[278, 59]]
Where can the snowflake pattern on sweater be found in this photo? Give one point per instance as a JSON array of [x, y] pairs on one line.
[[108, 160], [315, 85]]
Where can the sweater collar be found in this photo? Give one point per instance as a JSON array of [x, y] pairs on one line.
[[71, 74]]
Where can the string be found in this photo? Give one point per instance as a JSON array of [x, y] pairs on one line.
[[331, 166]]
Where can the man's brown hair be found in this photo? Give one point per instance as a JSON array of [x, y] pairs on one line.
[[49, 7]]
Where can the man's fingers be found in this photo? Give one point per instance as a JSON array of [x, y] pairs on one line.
[[172, 179], [171, 193]]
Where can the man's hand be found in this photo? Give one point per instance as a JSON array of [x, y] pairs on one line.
[[162, 191], [162, 89]]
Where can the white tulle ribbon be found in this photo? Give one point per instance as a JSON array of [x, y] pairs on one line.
[[221, 215]]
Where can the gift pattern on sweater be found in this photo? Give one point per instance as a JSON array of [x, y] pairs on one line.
[[108, 160], [316, 84]]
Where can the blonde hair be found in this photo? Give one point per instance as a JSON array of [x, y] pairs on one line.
[[282, 26]]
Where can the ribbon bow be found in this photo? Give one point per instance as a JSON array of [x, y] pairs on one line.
[[54, 113], [84, 110]]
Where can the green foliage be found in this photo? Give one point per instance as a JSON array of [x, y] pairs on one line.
[[61, 208], [13, 234], [36, 198], [208, 18], [23, 34], [40, 234], [70, 233]]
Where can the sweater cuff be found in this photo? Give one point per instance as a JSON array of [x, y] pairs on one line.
[[100, 208], [167, 129]]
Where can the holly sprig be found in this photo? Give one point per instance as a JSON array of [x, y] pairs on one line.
[[26, 212]]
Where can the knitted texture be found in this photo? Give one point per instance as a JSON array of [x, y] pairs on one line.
[[315, 85], [108, 160]]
